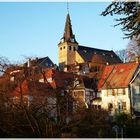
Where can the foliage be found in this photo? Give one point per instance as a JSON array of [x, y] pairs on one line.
[[130, 20], [132, 131], [129, 13], [131, 52], [122, 119], [91, 123], [4, 64]]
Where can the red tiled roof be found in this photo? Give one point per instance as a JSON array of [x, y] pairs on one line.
[[32, 88], [58, 77], [105, 75], [116, 76]]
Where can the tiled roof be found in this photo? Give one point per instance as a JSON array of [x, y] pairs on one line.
[[117, 76], [32, 88], [64, 79], [68, 29], [59, 78], [88, 53]]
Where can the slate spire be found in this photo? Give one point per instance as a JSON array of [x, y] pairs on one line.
[[68, 33]]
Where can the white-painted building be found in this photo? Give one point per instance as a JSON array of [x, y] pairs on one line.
[[118, 90]]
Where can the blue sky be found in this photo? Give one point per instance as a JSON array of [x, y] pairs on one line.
[[33, 29]]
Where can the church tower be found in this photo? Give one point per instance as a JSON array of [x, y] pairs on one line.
[[67, 46]]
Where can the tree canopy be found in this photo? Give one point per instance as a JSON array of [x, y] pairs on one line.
[[130, 16]]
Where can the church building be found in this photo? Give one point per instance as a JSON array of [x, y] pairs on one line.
[[72, 55]]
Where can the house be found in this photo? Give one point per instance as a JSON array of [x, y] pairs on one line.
[[41, 62], [32, 68], [81, 88], [32, 93], [116, 87], [135, 94]]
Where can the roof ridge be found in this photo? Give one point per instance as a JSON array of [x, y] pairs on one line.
[[123, 64], [95, 48]]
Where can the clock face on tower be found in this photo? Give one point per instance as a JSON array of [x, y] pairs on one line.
[[72, 40], [62, 40]]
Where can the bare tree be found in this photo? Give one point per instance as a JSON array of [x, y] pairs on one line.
[[122, 54], [133, 49]]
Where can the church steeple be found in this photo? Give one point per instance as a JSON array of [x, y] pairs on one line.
[[67, 46], [68, 35]]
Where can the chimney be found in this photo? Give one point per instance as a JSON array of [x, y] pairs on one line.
[[29, 63]]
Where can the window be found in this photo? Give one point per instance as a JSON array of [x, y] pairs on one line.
[[74, 94], [110, 107], [109, 92], [121, 91], [62, 40], [137, 90], [137, 106], [95, 69], [64, 47], [80, 93], [85, 51], [124, 106], [74, 49], [12, 78], [60, 48], [25, 100], [70, 48], [72, 40], [46, 64], [99, 107]]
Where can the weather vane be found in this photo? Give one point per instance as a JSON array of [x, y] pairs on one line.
[[67, 6]]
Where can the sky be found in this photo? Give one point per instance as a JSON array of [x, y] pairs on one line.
[[34, 29]]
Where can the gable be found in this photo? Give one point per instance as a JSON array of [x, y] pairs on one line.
[[46, 62], [117, 76], [79, 59]]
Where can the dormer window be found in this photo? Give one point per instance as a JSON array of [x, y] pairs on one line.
[[85, 51]]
